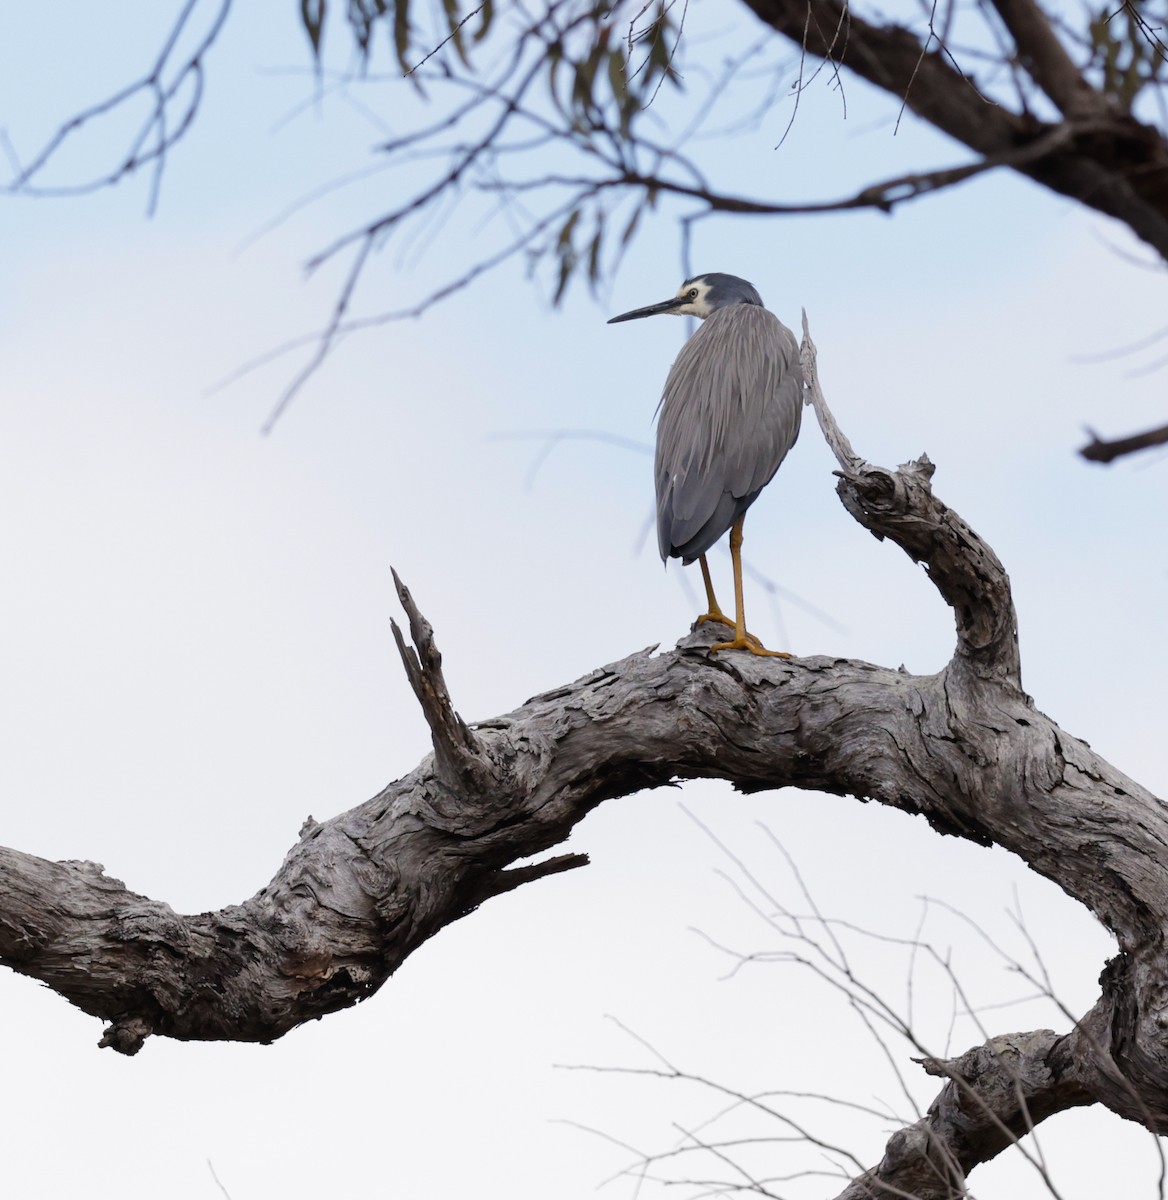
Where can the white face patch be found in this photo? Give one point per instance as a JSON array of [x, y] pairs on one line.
[[696, 305]]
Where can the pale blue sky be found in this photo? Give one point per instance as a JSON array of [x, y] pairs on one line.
[[198, 651]]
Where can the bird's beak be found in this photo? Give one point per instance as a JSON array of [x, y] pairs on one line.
[[653, 309]]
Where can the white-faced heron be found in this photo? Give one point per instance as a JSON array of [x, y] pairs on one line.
[[729, 414]]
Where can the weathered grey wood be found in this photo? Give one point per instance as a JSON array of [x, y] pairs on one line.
[[997, 1093], [900, 505], [456, 751], [966, 748]]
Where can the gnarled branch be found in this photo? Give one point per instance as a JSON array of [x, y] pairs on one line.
[[965, 748]]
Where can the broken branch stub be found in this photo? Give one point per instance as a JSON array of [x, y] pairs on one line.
[[456, 749]]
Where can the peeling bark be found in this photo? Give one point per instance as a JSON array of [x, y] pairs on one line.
[[966, 748]]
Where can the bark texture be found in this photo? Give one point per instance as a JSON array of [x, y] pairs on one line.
[[966, 748], [996, 1093]]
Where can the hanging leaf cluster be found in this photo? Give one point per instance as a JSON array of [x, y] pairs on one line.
[[602, 66], [600, 81], [609, 67], [364, 17]]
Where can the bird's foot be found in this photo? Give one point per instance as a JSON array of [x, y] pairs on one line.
[[748, 642], [718, 617]]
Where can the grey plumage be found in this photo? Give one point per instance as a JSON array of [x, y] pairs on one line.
[[729, 414]]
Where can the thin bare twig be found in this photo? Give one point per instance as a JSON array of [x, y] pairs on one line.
[[156, 135]]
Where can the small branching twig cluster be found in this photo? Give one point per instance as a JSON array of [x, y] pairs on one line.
[[784, 1142]]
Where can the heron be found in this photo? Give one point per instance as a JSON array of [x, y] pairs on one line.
[[728, 415]]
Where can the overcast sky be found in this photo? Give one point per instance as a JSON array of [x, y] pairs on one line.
[[196, 650]]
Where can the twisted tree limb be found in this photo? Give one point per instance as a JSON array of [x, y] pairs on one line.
[[966, 748]]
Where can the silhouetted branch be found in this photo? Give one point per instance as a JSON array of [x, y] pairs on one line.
[[157, 134], [1118, 165], [562, 81], [1101, 451]]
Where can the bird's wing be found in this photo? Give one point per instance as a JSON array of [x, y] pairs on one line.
[[729, 414]]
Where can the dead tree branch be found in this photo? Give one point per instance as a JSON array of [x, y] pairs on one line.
[[456, 751], [900, 505], [964, 748]]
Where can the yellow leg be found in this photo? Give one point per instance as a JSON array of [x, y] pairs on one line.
[[742, 639], [713, 611]]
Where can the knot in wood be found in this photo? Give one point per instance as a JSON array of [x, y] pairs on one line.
[[903, 1147], [126, 1037], [873, 492]]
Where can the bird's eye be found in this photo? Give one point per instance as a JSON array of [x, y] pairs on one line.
[[693, 293]]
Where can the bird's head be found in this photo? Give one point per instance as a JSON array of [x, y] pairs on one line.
[[700, 296]]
